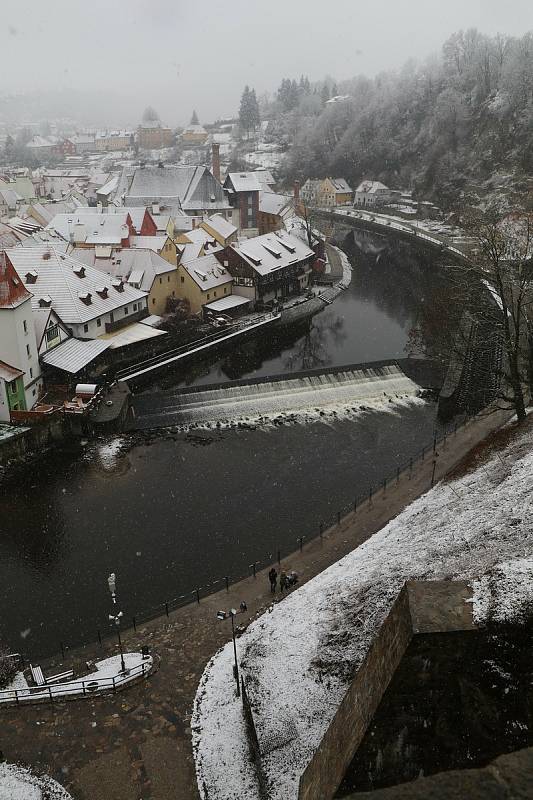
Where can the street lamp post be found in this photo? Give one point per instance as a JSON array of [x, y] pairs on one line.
[[116, 619], [223, 615], [112, 583]]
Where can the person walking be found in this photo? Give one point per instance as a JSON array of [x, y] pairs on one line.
[[282, 581], [273, 578]]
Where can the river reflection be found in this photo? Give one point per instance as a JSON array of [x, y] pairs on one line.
[[394, 291]]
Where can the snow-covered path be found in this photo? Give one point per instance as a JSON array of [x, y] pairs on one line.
[[300, 658]]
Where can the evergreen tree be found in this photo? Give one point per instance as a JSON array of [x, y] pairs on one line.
[[334, 90], [249, 110], [194, 119], [324, 94]]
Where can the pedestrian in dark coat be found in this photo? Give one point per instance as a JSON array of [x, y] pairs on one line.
[[273, 578], [283, 581]]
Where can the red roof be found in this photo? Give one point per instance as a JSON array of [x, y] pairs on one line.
[[12, 290]]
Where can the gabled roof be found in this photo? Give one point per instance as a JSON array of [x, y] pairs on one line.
[[193, 188], [371, 186], [222, 226], [272, 251], [12, 289], [40, 322], [207, 273], [60, 278], [242, 181]]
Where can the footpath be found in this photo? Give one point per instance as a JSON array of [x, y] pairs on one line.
[[136, 745]]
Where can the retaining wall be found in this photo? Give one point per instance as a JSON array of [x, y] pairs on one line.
[[421, 607]]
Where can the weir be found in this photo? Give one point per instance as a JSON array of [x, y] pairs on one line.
[[307, 393]]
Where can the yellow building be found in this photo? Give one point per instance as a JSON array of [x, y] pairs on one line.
[[160, 244], [153, 136], [334, 192], [203, 280], [220, 229]]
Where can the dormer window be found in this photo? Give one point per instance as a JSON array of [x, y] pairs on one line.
[[31, 276], [45, 301], [79, 270], [102, 291], [118, 285], [86, 297]]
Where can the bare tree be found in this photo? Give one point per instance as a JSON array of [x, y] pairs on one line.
[[498, 283]]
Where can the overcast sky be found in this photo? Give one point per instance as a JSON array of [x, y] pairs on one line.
[[179, 55]]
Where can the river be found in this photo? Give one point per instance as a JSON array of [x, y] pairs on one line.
[[181, 510]]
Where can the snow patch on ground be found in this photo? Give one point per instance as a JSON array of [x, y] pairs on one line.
[[18, 783], [301, 657], [109, 452]]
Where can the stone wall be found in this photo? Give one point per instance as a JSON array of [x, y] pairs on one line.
[[31, 440], [328, 765], [421, 607]]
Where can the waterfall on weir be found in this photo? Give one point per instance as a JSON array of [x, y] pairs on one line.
[[270, 398]]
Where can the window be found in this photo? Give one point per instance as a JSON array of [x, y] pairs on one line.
[[52, 332], [25, 326], [225, 289], [182, 279], [28, 352], [208, 296], [86, 328], [153, 301], [160, 280], [168, 278], [214, 293], [31, 372], [33, 392], [126, 309], [98, 323], [13, 387]]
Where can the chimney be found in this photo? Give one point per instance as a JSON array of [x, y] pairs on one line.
[[215, 160], [296, 191]]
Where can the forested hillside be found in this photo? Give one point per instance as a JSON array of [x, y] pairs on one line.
[[457, 128]]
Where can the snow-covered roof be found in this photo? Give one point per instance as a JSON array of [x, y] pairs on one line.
[[272, 203], [207, 273], [59, 277], [225, 303], [193, 188], [243, 181], [9, 373], [155, 243], [370, 187], [90, 227], [272, 251], [138, 267], [222, 226], [74, 354], [341, 185]]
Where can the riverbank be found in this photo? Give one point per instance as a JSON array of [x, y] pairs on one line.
[[138, 744]]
